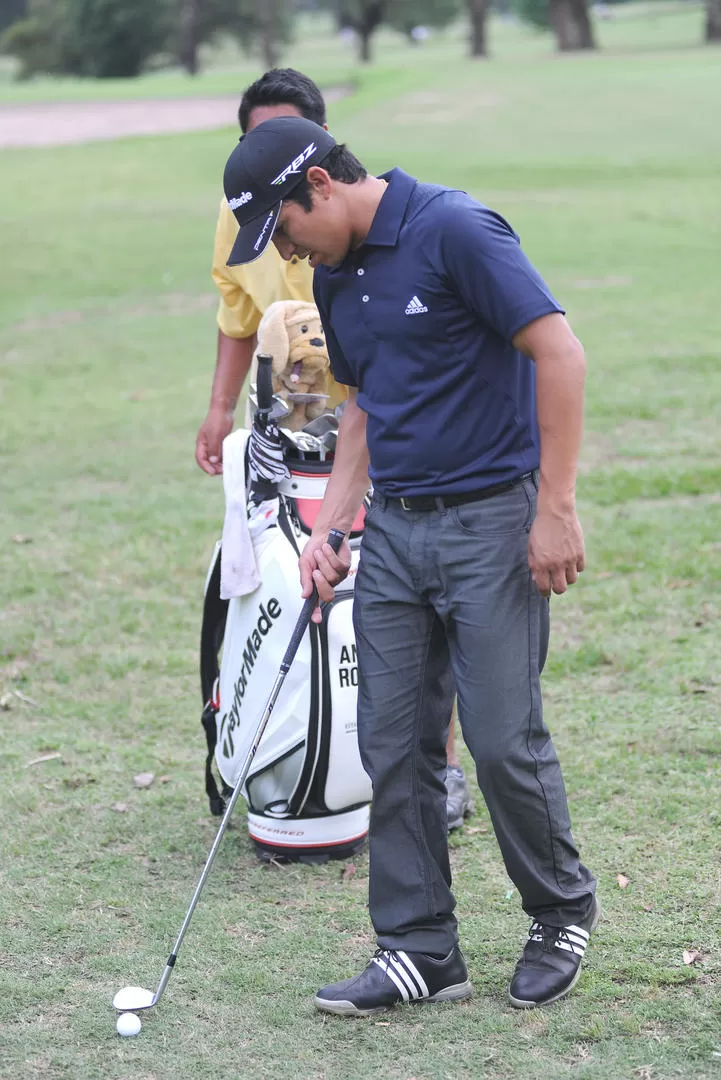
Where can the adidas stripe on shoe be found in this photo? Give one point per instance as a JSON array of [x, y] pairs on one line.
[[551, 962], [393, 977]]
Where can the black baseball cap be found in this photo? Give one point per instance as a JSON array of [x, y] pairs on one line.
[[265, 166]]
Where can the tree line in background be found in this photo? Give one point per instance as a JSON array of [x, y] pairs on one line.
[[121, 38]]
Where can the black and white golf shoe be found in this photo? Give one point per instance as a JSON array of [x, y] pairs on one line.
[[551, 962], [394, 976]]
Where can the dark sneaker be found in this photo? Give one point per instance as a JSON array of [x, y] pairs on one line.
[[551, 961], [459, 804], [393, 976]]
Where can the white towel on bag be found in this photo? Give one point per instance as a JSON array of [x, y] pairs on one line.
[[238, 567]]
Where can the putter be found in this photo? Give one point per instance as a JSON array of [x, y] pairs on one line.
[[135, 998]]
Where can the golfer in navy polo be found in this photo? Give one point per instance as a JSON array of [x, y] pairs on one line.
[[465, 408]]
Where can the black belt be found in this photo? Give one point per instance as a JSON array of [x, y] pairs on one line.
[[440, 502]]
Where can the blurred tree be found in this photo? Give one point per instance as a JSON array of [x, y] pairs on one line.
[[115, 38], [12, 11], [713, 20], [28, 41], [99, 38], [363, 16], [190, 34], [43, 41], [571, 24], [477, 11], [569, 20], [192, 23], [534, 12], [408, 15], [269, 15], [263, 26]]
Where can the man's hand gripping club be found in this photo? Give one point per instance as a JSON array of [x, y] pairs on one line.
[[319, 565]]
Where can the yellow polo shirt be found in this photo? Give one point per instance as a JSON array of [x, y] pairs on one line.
[[246, 291]]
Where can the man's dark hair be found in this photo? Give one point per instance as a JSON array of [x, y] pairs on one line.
[[340, 165], [283, 86]]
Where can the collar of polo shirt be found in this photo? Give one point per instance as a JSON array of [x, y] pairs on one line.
[[386, 225]]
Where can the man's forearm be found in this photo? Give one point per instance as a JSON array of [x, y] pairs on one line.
[[348, 481], [560, 379], [232, 366]]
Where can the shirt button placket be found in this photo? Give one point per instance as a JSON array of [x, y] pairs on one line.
[[365, 297]]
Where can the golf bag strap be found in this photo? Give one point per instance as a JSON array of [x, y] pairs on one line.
[[216, 800], [285, 525], [215, 613]]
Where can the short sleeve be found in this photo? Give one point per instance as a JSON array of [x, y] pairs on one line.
[[485, 266], [238, 315], [339, 366]]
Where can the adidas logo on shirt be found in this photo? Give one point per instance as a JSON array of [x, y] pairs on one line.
[[415, 307]]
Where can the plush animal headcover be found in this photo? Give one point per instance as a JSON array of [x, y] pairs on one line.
[[291, 332]]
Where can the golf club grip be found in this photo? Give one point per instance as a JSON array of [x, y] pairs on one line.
[[264, 382], [335, 539]]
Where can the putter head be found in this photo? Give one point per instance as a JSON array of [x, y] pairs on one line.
[[133, 999]]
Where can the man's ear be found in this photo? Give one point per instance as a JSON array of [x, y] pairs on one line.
[[319, 181]]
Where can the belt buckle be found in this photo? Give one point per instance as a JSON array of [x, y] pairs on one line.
[[404, 502]]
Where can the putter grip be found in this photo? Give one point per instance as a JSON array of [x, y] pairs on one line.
[[335, 539], [264, 382]]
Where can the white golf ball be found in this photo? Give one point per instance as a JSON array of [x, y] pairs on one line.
[[128, 1024]]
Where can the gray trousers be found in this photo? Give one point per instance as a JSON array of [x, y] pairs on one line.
[[444, 603]]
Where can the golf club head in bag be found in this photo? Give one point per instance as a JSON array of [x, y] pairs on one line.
[[279, 410], [322, 424]]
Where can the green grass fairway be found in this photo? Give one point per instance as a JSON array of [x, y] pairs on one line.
[[608, 166]]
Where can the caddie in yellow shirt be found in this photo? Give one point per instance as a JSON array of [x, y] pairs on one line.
[[245, 292]]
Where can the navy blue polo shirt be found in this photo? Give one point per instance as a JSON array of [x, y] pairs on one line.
[[420, 319]]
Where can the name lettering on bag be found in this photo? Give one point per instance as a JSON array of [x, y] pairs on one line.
[[348, 666], [231, 720]]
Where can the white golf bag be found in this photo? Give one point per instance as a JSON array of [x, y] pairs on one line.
[[307, 792]]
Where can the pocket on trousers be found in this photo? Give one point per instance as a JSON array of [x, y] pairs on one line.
[[372, 509], [501, 515]]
